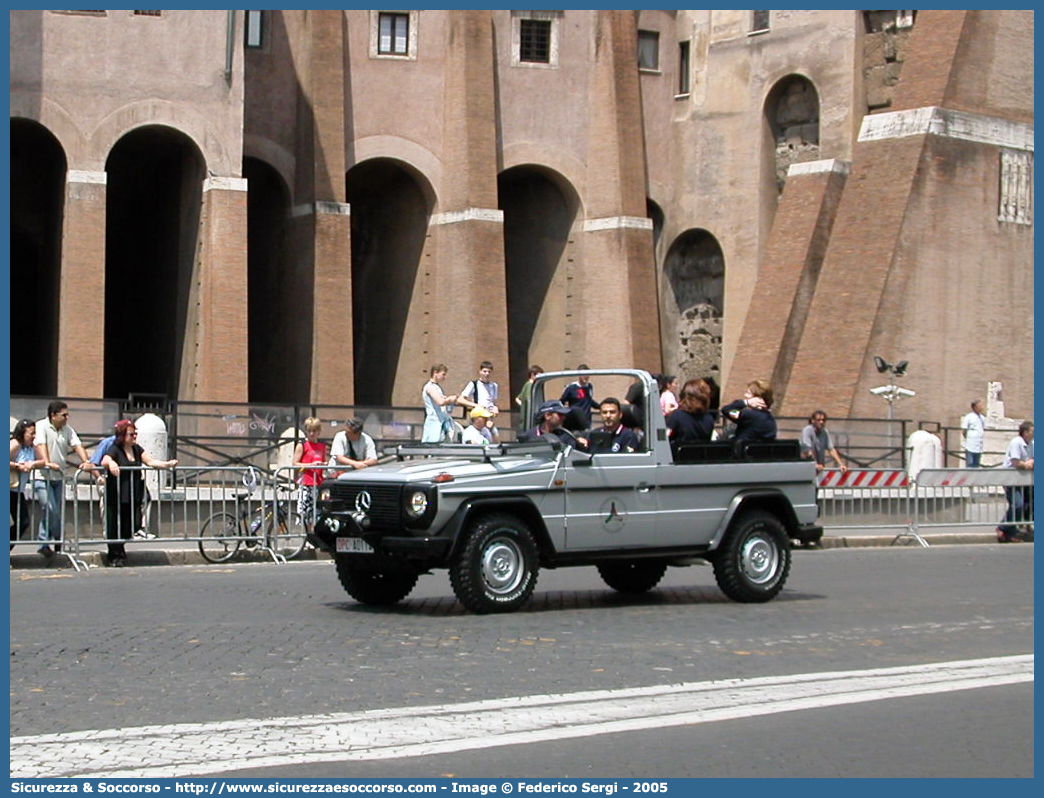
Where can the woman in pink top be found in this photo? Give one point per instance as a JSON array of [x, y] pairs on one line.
[[309, 452], [668, 393]]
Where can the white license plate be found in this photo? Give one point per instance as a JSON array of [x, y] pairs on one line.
[[353, 546]]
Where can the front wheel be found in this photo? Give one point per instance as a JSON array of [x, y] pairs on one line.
[[496, 570], [219, 537], [376, 588], [754, 560], [633, 576]]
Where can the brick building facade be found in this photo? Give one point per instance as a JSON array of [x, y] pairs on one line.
[[315, 206]]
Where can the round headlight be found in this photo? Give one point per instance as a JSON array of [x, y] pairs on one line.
[[417, 504], [324, 494]]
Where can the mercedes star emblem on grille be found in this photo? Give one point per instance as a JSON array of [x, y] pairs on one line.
[[363, 502]]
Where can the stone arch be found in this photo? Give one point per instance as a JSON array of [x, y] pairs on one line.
[[59, 124], [188, 121], [270, 285], [693, 300], [391, 204], [560, 165], [792, 119], [540, 209], [273, 155], [425, 167], [154, 194], [37, 185]]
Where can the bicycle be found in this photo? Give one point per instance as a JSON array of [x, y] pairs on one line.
[[222, 535]]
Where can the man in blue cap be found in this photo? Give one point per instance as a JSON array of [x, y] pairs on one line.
[[551, 414]]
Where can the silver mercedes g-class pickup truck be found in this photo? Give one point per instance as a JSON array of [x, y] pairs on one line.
[[495, 515]]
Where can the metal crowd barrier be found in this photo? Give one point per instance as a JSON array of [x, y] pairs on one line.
[[220, 509], [973, 497], [889, 499]]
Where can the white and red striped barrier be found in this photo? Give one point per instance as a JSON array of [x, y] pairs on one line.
[[863, 478], [972, 477]]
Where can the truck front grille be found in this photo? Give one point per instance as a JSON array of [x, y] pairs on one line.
[[384, 501]]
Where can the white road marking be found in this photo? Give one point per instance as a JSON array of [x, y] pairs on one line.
[[194, 749]]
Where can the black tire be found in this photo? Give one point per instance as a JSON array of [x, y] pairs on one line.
[[376, 588], [754, 559], [632, 576], [219, 537], [497, 568]]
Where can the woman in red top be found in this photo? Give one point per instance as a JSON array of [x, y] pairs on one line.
[[306, 453]]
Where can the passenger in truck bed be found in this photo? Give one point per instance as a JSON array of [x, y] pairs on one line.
[[751, 414], [691, 422]]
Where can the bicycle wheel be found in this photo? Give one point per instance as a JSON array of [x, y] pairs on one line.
[[290, 534], [219, 537]]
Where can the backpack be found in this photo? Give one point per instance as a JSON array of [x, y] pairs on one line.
[[470, 392]]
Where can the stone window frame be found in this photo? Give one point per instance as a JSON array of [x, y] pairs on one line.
[[412, 20], [654, 36], [262, 24], [555, 18], [760, 24], [684, 86]]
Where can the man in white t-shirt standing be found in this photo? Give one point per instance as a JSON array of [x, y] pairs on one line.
[[53, 442], [1020, 497], [974, 426], [353, 447], [481, 392]]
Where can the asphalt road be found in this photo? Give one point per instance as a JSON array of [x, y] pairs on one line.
[[114, 649]]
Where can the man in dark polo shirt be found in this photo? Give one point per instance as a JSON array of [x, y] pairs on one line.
[[613, 437]]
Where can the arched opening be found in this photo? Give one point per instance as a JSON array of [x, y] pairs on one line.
[[38, 169], [693, 286], [792, 114], [539, 208], [155, 178], [269, 285], [655, 212], [390, 208]]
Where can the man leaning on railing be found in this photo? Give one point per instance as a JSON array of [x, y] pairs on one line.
[[1020, 497]]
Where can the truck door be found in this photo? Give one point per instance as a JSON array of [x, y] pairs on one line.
[[611, 500]]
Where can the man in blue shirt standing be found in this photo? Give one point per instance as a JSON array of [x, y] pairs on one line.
[[580, 395]]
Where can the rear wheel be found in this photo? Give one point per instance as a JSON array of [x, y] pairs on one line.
[[496, 570], [219, 537], [376, 588], [634, 576], [754, 560]]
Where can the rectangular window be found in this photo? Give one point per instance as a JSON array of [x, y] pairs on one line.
[[534, 41], [255, 29], [683, 68], [151, 13], [648, 49], [759, 21], [393, 34]]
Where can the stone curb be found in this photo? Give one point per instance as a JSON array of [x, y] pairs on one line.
[[191, 556]]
